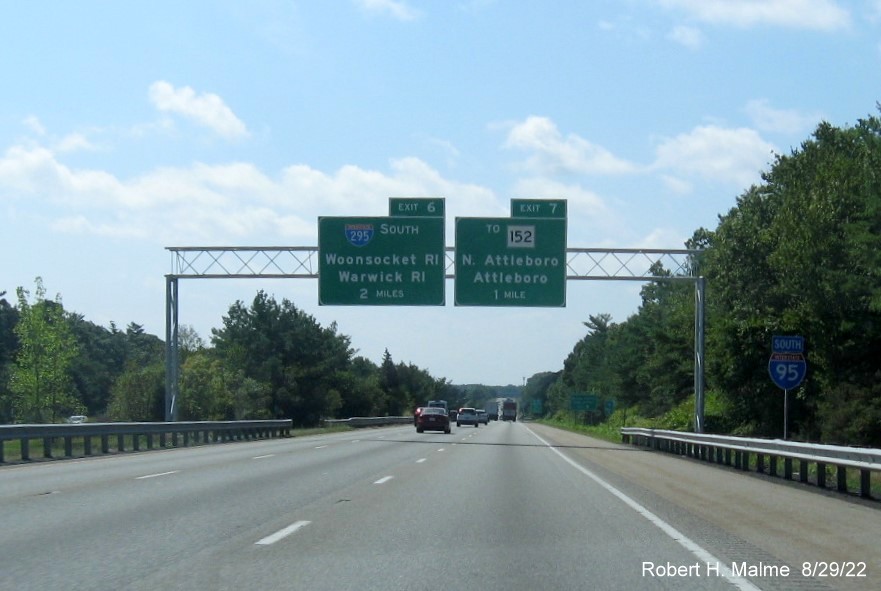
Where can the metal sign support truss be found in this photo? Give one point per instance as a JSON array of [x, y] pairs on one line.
[[301, 262]]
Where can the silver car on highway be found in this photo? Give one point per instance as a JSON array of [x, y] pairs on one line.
[[467, 416]]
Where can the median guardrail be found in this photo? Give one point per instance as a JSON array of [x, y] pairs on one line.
[[130, 436], [370, 421], [763, 455]]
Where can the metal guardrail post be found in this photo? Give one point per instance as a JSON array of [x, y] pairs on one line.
[[841, 478]]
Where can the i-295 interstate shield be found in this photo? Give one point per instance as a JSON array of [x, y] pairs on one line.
[[381, 261]]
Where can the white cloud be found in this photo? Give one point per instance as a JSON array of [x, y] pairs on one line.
[[205, 109], [81, 225], [822, 15], [397, 9], [446, 148], [34, 124], [767, 118], [552, 153], [74, 142], [716, 153], [687, 36], [676, 184], [221, 204], [661, 238]]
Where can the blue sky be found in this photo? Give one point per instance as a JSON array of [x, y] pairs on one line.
[[129, 127]]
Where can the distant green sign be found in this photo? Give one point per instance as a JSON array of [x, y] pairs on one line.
[[583, 402], [416, 207], [536, 406], [510, 262], [379, 261]]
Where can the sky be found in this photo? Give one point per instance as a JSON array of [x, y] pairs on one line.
[[127, 128]]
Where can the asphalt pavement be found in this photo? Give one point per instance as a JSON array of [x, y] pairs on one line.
[[504, 506]]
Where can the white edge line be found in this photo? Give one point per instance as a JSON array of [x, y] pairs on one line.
[[665, 527], [320, 446], [383, 480], [420, 460], [261, 457], [282, 533], [156, 475]]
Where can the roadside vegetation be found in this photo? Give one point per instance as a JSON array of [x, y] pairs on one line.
[[799, 253]]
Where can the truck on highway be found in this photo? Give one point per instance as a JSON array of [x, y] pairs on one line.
[[492, 409], [439, 404], [508, 409]]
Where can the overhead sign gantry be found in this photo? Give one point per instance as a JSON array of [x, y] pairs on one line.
[[402, 260]]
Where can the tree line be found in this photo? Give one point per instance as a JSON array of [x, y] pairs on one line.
[[268, 360], [799, 253]]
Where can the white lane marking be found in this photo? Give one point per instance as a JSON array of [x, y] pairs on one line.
[[420, 460], [441, 449], [356, 441], [678, 536], [320, 447], [383, 480], [157, 475], [261, 457], [282, 533]]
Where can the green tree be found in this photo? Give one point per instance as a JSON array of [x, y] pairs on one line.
[[8, 349], [138, 394], [799, 254], [40, 381], [389, 383], [304, 366], [364, 396], [536, 388], [99, 361]]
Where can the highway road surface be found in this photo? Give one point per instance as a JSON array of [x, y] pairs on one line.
[[506, 506]]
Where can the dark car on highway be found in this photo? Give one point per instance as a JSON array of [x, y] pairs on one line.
[[433, 419]]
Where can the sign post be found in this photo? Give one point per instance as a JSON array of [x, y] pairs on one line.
[[787, 367]]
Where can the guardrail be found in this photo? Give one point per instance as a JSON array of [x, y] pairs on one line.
[[173, 433], [744, 452], [370, 421]]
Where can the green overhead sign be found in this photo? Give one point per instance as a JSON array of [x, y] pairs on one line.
[[579, 402], [516, 261], [391, 261]]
